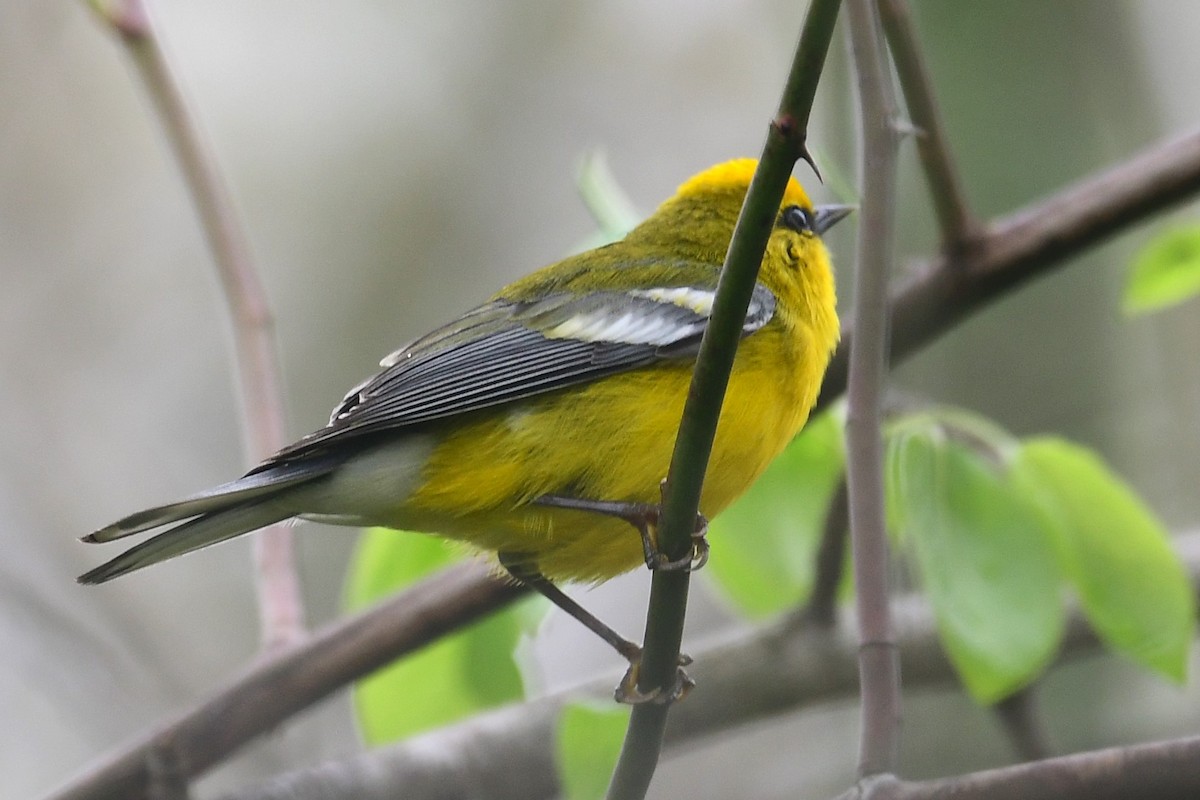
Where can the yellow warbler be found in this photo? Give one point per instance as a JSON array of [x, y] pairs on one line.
[[533, 424]]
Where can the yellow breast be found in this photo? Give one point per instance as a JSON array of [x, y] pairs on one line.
[[611, 440]]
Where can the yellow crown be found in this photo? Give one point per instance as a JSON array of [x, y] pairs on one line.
[[735, 175]]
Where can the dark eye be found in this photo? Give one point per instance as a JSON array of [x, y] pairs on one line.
[[798, 219]]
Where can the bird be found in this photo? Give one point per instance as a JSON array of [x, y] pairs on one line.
[[538, 426]]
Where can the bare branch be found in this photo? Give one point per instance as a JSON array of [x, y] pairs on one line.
[[958, 225], [1018, 713], [879, 665], [291, 680], [281, 608], [831, 558], [1015, 249], [1163, 770]]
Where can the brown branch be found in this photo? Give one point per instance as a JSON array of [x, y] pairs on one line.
[[958, 225], [831, 559], [281, 608], [291, 680], [1018, 714], [878, 665], [1063, 225], [1015, 249], [1167, 770]]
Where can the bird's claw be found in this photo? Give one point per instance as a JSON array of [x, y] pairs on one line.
[[694, 560], [628, 693]]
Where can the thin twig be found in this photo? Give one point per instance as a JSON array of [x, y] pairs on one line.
[[831, 559], [958, 224], [785, 144], [281, 608], [879, 666], [1018, 714], [1014, 250]]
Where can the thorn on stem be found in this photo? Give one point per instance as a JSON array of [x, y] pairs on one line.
[[808, 159]]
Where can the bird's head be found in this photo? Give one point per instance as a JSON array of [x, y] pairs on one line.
[[698, 221]]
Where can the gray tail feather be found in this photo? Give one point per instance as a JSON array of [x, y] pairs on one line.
[[261, 498], [255, 486], [210, 528]]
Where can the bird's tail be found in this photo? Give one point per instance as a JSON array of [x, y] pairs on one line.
[[247, 504]]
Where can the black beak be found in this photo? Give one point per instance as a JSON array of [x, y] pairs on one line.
[[825, 217]]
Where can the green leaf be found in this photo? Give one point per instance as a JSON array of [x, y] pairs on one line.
[[764, 544], [1166, 272], [983, 435], [987, 566], [1115, 553], [451, 679], [587, 746], [610, 207]]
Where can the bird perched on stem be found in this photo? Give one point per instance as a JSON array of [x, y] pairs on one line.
[[539, 425]]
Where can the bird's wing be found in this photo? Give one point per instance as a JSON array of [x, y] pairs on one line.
[[505, 351]]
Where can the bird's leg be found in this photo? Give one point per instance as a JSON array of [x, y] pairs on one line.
[[644, 517], [523, 572]]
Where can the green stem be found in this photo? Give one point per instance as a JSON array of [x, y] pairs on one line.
[[668, 593]]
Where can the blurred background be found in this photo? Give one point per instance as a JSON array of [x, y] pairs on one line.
[[394, 163]]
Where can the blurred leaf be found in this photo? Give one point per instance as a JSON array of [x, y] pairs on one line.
[[1166, 272], [610, 207], [987, 567], [451, 679], [1117, 555], [980, 433], [589, 741], [764, 544]]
